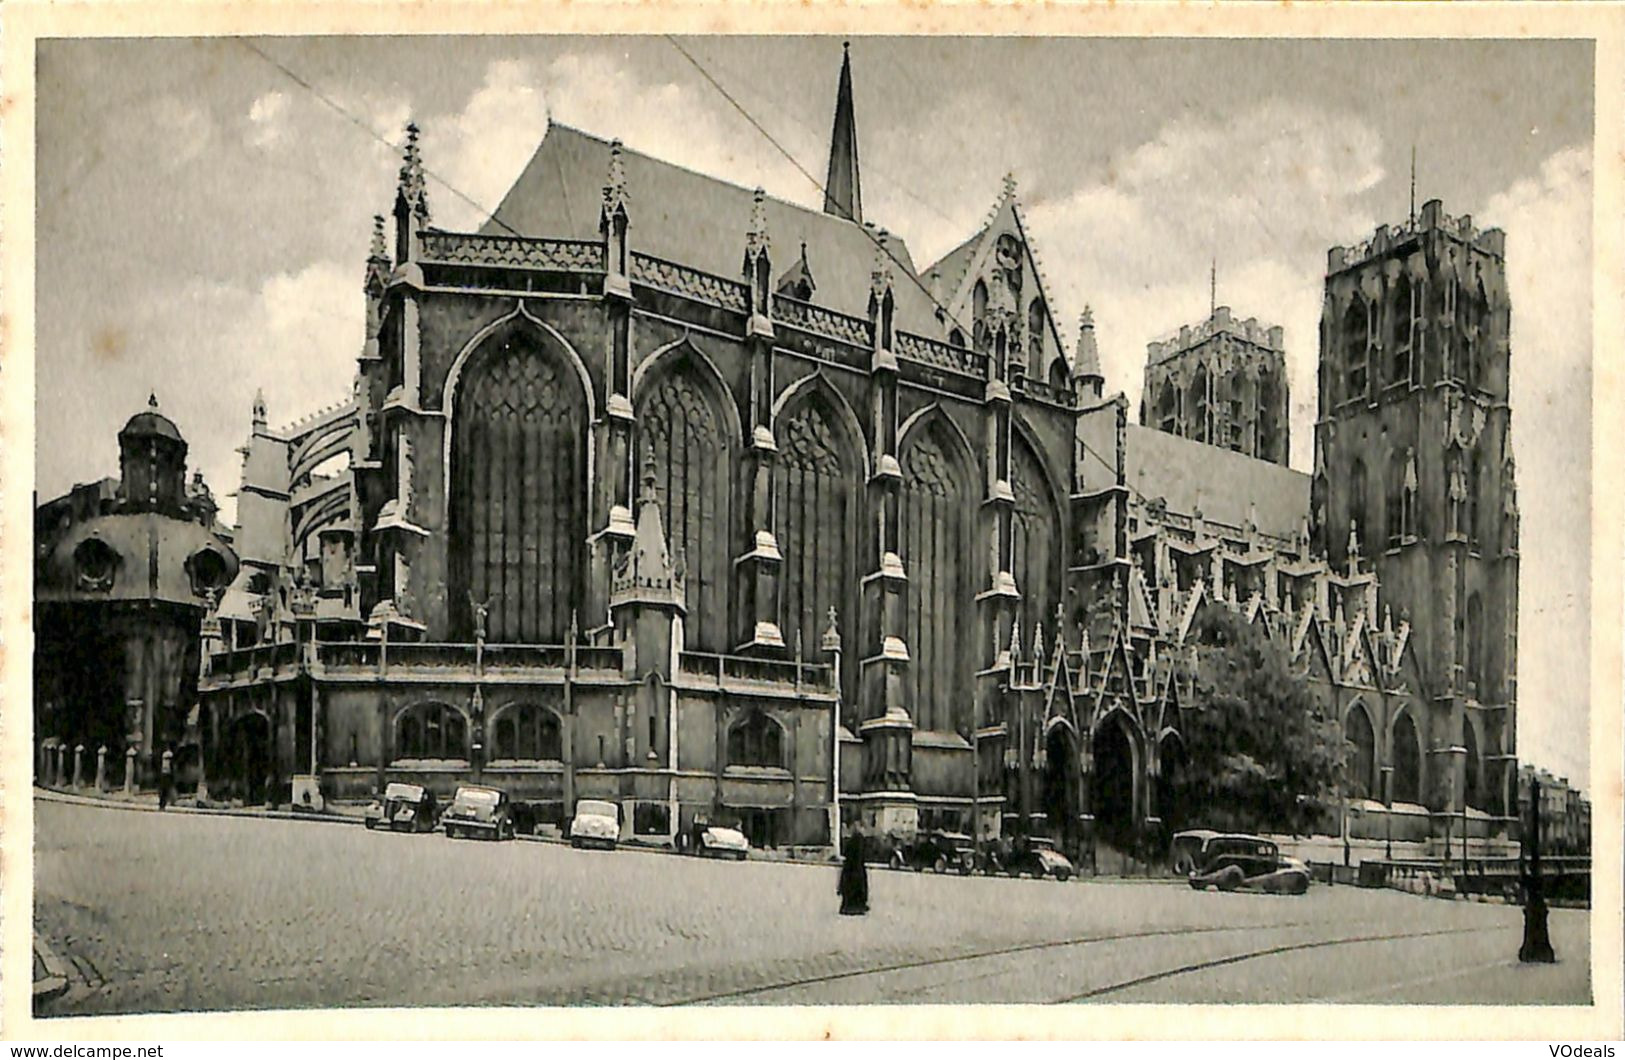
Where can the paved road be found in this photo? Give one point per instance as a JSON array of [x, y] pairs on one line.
[[179, 913]]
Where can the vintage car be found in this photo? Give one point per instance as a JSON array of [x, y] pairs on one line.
[[708, 840], [596, 824], [1185, 847], [1247, 863], [941, 851], [404, 808], [1038, 858], [477, 811]]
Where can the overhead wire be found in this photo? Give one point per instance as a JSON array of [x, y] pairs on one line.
[[443, 182], [362, 124], [794, 161]]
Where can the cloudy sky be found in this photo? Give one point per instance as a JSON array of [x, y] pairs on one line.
[[203, 215]]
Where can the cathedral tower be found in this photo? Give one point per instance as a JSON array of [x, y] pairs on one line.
[[1222, 382], [1414, 476]]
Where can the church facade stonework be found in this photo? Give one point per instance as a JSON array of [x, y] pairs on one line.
[[660, 490]]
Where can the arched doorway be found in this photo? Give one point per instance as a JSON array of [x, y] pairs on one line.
[[1473, 794], [1362, 754], [248, 755], [1063, 788], [1113, 790], [1407, 753], [1172, 782]]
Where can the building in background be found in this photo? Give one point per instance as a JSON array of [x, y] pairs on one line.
[[661, 490], [1222, 382], [125, 570]]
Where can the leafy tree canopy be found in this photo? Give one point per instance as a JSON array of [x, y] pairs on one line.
[[1262, 754]]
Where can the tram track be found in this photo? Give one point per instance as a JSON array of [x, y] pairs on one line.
[[1251, 955], [963, 958]]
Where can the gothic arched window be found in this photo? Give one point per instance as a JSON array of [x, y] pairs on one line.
[[1474, 484], [431, 730], [1357, 348], [1404, 320], [682, 435], [1197, 406], [527, 731], [1037, 324], [1269, 420], [518, 504], [816, 497], [937, 539], [1407, 761], [1358, 502], [1168, 408], [1363, 755], [756, 740], [1401, 499], [1036, 532], [979, 329], [1474, 636]]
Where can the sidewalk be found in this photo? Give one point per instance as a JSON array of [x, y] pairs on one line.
[[147, 802]]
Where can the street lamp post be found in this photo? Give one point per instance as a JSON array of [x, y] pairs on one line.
[[832, 646], [1388, 818], [1537, 942]]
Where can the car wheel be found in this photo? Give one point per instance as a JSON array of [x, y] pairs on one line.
[[1062, 877], [940, 866], [740, 856], [896, 861], [371, 824]]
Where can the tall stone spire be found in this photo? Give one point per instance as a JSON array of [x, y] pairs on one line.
[[843, 195], [1086, 365]]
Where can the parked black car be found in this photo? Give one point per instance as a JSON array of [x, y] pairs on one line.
[[1247, 863], [404, 808], [477, 811]]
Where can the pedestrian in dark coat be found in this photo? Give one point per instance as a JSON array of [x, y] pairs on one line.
[[854, 885], [166, 779]]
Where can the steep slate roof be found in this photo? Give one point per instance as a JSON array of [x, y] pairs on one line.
[[1158, 464], [700, 221]]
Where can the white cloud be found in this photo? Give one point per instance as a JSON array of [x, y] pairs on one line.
[[296, 336], [480, 150], [1548, 224], [1138, 242], [268, 119], [684, 124]]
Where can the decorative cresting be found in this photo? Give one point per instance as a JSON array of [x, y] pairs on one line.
[[815, 504], [554, 255], [690, 283], [683, 441], [518, 515], [937, 539]]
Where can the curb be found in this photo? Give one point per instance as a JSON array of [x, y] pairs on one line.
[[55, 982], [73, 799]]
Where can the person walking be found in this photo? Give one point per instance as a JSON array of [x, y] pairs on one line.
[[854, 885], [166, 779]]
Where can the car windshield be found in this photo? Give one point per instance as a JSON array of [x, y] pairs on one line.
[[478, 796], [408, 792], [594, 808]]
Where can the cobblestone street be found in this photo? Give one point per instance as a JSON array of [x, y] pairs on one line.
[[169, 912]]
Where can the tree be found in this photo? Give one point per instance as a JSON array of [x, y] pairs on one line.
[[1263, 755]]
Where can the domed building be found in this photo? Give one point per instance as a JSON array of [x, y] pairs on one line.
[[125, 572]]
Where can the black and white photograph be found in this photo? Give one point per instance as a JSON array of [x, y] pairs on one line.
[[564, 521]]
